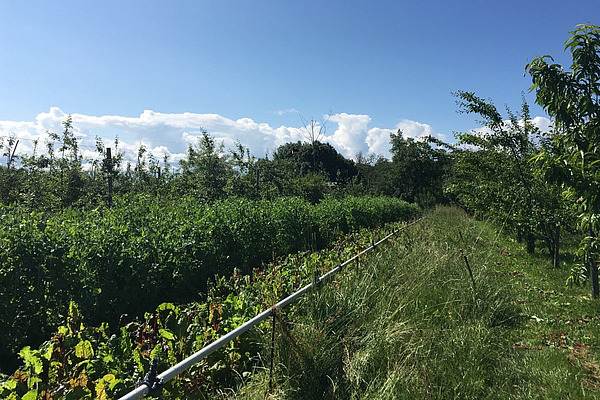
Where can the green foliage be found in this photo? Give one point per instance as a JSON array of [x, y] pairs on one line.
[[140, 253], [315, 157], [572, 155], [492, 175], [571, 98], [81, 361], [62, 178], [420, 167], [68, 177], [10, 178], [416, 173], [375, 177], [408, 325], [205, 170]]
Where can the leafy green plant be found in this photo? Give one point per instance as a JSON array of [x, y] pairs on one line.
[[572, 157], [81, 361], [493, 176]]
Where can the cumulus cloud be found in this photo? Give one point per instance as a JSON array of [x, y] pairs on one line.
[[378, 141], [414, 129], [169, 134], [350, 136], [543, 124]]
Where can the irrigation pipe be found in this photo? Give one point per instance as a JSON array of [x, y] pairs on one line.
[[175, 370]]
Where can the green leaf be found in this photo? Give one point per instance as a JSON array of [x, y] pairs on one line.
[[166, 306], [32, 359], [116, 382], [166, 334], [31, 395], [46, 350], [84, 349], [156, 351], [137, 357], [11, 384]]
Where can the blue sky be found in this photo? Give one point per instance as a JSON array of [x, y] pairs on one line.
[[247, 70]]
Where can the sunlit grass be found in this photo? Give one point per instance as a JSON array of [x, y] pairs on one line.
[[410, 325]]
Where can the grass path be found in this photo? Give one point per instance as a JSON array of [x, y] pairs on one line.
[[410, 325], [559, 339]]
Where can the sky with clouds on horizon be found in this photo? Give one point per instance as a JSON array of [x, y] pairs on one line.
[[156, 73]]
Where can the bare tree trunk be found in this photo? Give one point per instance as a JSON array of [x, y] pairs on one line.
[[555, 252], [594, 278], [593, 270], [530, 243]]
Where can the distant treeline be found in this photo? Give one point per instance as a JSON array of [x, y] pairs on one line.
[[490, 174], [60, 177]]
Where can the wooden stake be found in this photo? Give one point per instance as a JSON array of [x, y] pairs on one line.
[[110, 177], [272, 349], [469, 269]]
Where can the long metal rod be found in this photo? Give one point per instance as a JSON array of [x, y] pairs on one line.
[[175, 370]]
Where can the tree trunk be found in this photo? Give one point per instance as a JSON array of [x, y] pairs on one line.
[[530, 243], [555, 252], [593, 270], [594, 278]]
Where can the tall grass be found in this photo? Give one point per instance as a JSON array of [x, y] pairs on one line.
[[408, 325]]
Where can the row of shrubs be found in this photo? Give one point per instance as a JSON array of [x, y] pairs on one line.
[[141, 253]]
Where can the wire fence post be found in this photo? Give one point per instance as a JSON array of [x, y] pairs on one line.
[[357, 257], [274, 317], [469, 269], [109, 167], [466, 260]]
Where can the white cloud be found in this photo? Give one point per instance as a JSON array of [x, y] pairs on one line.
[[350, 136], [414, 129], [543, 124], [378, 141], [288, 111], [170, 134]]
